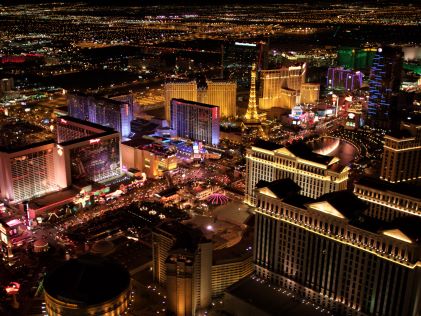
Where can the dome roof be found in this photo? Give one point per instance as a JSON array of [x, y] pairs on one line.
[[102, 247], [88, 280]]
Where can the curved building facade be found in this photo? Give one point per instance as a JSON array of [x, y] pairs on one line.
[[89, 285]]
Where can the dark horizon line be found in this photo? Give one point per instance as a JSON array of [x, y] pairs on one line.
[[212, 3]]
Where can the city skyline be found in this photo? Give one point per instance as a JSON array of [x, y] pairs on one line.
[[223, 158]]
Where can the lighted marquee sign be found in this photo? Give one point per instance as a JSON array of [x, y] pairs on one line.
[[94, 141]]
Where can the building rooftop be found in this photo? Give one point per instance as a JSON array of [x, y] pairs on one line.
[[138, 142], [281, 188], [344, 202], [240, 251], [400, 134], [195, 103], [264, 144], [187, 238], [88, 280], [412, 190], [270, 300]]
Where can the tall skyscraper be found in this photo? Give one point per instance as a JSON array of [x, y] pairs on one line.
[[276, 83], [309, 93], [82, 151], [116, 113], [196, 121], [388, 201], [182, 261], [314, 173], [329, 252], [402, 152], [220, 93], [179, 90], [346, 79], [28, 172], [384, 84]]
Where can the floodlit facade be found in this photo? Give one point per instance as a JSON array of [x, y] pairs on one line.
[[195, 121], [327, 251], [310, 93], [315, 174], [116, 112], [388, 201], [346, 79], [28, 172], [83, 151], [220, 93], [384, 84], [148, 157], [276, 82], [178, 90], [402, 153], [182, 261]]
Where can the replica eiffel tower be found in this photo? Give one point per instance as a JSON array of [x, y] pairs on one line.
[[251, 125]]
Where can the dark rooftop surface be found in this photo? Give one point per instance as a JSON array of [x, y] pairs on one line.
[[404, 188], [15, 148], [138, 142], [195, 103], [56, 197], [88, 123], [87, 280], [400, 134], [186, 237], [346, 202], [281, 188], [260, 143], [270, 300], [237, 252]]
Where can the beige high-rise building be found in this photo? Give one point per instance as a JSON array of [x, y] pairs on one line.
[[219, 93], [182, 261], [274, 81], [309, 93], [402, 153], [327, 251], [178, 90], [222, 94], [314, 173], [288, 98]]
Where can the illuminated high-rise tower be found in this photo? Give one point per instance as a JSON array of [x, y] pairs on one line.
[[384, 84], [252, 127], [251, 114]]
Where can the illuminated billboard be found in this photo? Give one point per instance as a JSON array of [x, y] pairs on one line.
[[96, 161]]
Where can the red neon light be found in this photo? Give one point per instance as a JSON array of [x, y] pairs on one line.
[[12, 288]]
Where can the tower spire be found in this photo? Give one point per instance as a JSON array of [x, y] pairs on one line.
[[251, 114]]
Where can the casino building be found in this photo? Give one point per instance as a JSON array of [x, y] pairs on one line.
[[116, 112], [196, 121], [328, 251], [81, 151], [315, 174]]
